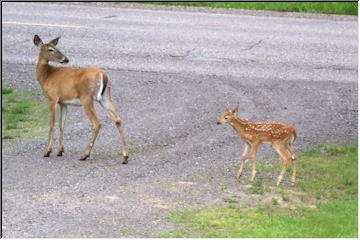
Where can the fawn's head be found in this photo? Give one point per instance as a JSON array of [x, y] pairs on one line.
[[49, 52], [228, 115]]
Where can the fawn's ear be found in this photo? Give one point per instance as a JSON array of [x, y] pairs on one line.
[[227, 106], [55, 41], [235, 110], [37, 41]]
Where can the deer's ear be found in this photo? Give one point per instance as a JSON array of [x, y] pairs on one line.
[[235, 110], [37, 41], [55, 41]]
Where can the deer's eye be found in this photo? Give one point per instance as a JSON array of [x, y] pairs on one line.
[[51, 50], [226, 117]]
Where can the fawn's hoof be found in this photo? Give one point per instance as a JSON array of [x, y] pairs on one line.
[[125, 161], [47, 153]]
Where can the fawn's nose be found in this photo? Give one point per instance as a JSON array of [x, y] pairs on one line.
[[218, 123]]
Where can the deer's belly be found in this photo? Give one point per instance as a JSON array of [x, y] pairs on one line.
[[73, 102]]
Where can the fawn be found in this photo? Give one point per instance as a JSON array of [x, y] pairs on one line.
[[280, 135]]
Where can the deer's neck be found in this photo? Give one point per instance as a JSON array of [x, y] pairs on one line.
[[239, 124], [42, 70]]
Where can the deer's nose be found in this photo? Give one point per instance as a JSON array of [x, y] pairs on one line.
[[218, 123], [64, 60]]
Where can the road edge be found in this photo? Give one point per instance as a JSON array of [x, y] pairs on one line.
[[155, 7]]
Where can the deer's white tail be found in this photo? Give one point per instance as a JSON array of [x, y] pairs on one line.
[[101, 87]]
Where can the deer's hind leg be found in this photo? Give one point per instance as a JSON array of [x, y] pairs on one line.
[[90, 112], [293, 160], [254, 148], [282, 151], [106, 102]]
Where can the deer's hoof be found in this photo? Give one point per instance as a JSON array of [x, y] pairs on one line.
[[125, 161], [47, 153], [59, 153], [84, 157]]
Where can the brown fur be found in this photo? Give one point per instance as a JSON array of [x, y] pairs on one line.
[[60, 84], [254, 133]]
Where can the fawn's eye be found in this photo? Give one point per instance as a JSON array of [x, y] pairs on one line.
[[226, 117]]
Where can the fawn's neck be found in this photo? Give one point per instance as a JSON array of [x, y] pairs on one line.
[[238, 124]]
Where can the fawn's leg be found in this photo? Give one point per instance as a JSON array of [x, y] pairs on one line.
[[90, 112], [254, 149], [243, 158], [51, 130], [282, 151], [293, 160], [62, 118]]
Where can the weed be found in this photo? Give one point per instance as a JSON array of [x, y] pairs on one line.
[[21, 114], [257, 187], [230, 200]]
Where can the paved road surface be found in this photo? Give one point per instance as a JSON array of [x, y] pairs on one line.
[[172, 74]]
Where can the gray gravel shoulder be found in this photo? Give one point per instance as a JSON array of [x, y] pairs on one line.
[[171, 78]]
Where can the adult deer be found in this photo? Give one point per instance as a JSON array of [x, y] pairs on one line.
[[74, 86], [254, 133]]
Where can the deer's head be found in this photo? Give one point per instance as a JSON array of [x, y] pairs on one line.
[[49, 52], [228, 115]]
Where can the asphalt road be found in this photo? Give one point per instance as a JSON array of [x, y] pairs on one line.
[[172, 73]]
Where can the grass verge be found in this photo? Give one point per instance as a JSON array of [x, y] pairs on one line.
[[349, 8], [22, 115], [328, 178]]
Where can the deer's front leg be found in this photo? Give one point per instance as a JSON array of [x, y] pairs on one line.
[[62, 118], [51, 130], [254, 149], [90, 112], [243, 158]]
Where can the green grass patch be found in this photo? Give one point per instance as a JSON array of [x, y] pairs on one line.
[[328, 179], [332, 219], [349, 8], [22, 115], [257, 187]]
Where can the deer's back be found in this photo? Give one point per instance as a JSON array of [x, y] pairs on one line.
[[269, 131]]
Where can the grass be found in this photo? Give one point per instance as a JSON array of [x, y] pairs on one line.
[[22, 115], [349, 8], [257, 187], [328, 179]]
